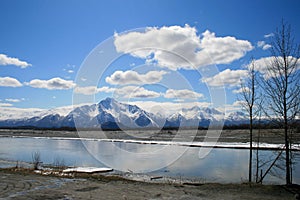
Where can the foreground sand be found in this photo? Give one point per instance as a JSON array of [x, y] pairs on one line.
[[27, 185]]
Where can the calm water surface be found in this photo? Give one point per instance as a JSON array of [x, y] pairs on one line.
[[219, 165]]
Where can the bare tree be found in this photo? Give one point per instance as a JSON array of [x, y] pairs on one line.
[[36, 159], [259, 123], [249, 96], [281, 85]]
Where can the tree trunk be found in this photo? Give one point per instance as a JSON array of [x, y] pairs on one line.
[[250, 156], [287, 149]]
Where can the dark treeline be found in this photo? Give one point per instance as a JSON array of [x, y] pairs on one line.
[[245, 126]]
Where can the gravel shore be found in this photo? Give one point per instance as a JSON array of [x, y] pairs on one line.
[[24, 184]]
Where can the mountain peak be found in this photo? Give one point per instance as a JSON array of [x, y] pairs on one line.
[[107, 103], [194, 108], [111, 113]]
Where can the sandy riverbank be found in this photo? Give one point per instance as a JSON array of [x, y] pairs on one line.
[[22, 184]]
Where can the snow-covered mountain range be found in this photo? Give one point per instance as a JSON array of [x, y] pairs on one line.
[[111, 114]]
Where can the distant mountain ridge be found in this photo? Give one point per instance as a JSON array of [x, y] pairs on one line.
[[111, 114]]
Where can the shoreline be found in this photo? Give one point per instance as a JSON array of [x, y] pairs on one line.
[[159, 141], [271, 136], [25, 184]]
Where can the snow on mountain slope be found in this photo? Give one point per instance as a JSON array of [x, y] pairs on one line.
[[195, 116], [237, 116], [113, 114], [124, 114], [197, 113]]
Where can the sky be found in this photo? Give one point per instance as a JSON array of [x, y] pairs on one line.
[[150, 53]]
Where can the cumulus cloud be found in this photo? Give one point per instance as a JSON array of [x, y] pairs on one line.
[[167, 108], [133, 77], [9, 82], [261, 65], [227, 77], [263, 45], [124, 92], [90, 90], [106, 89], [229, 108], [135, 92], [52, 84], [182, 94], [241, 90], [5, 60], [177, 47]]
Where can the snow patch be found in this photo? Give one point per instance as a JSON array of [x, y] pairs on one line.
[[88, 170]]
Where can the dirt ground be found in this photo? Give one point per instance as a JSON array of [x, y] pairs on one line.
[[27, 185]]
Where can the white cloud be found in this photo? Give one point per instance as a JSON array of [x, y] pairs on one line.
[[52, 84], [263, 45], [138, 92], [133, 77], [123, 92], [13, 100], [106, 89], [135, 92], [227, 77], [263, 64], [266, 46], [241, 90], [8, 112], [177, 47], [5, 104], [9, 82], [229, 108], [167, 108], [269, 35], [238, 103], [182, 94], [90, 90], [5, 60], [223, 50], [70, 71]]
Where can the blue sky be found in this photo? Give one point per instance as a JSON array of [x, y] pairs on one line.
[[51, 39]]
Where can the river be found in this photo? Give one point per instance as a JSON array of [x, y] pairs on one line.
[[225, 164]]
